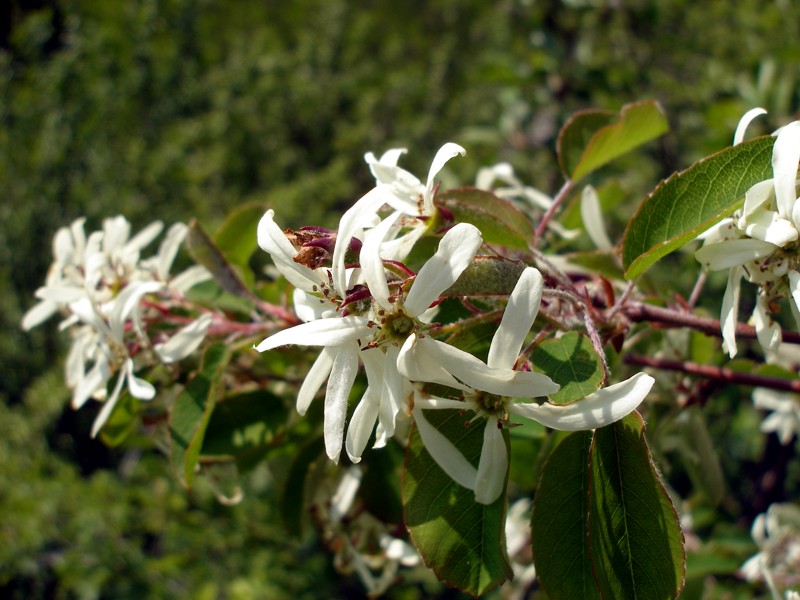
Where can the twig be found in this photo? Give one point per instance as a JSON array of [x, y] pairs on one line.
[[557, 202], [717, 373]]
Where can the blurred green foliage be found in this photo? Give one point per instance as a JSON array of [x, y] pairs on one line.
[[176, 108]]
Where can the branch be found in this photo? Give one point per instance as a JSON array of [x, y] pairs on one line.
[[717, 373], [640, 312]]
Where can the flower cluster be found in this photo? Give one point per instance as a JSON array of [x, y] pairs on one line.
[[104, 290], [363, 300], [777, 563], [760, 241]]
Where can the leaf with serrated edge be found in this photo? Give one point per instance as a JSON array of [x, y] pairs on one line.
[[461, 540], [635, 538], [192, 410], [693, 200], [499, 221], [572, 363], [559, 522], [638, 123]]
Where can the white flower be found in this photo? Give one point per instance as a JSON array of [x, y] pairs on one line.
[[754, 244], [371, 333], [408, 194], [777, 534], [785, 417], [489, 389]]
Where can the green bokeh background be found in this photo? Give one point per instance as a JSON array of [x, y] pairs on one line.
[[170, 109]]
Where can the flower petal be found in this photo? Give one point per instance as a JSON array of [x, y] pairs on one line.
[[601, 408], [185, 341], [372, 263], [785, 158], [593, 219], [108, 406], [746, 119], [169, 248], [730, 310], [340, 382], [315, 377], [733, 253], [446, 455], [520, 313], [455, 252], [767, 226], [768, 332], [361, 425], [416, 364], [445, 153], [138, 387], [333, 331], [272, 240], [493, 465]]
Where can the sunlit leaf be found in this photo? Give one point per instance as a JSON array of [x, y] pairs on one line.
[[122, 421], [572, 363], [635, 538], [593, 138], [192, 411], [693, 200], [560, 520], [237, 238], [205, 252], [461, 540], [499, 221]]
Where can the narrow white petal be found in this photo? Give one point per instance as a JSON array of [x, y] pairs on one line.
[[417, 364], [340, 382], [733, 253], [372, 263], [593, 219], [730, 310], [445, 153], [361, 425], [308, 307], [61, 294], [38, 314], [392, 391], [767, 226], [446, 455], [472, 372], [315, 377], [785, 158], [746, 119], [94, 380], [346, 491], [185, 341], [139, 388], [108, 406], [601, 408], [455, 252], [169, 248], [520, 313], [493, 465], [757, 197], [186, 280], [143, 238], [425, 403], [322, 332], [794, 287], [362, 214], [272, 240], [127, 302], [768, 332]]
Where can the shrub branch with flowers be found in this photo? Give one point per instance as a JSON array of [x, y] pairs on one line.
[[454, 355]]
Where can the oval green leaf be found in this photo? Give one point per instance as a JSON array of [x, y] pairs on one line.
[[591, 139], [635, 538], [236, 238], [192, 411], [463, 542], [693, 200], [572, 363], [559, 523], [205, 252], [499, 221]]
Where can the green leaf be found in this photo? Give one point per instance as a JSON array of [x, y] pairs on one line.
[[693, 200], [560, 521], [121, 422], [192, 411], [461, 540], [699, 456], [245, 427], [635, 539], [572, 363], [205, 252], [499, 221], [237, 238], [590, 139], [292, 500]]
